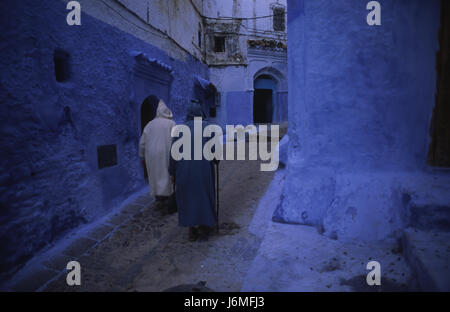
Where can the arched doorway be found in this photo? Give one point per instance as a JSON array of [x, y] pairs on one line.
[[264, 99], [148, 112]]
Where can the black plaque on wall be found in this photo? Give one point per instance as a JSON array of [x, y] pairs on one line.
[[107, 156]]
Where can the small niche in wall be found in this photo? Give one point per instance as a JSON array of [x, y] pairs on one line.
[[107, 156], [62, 65]]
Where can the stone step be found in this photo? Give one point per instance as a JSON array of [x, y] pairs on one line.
[[427, 201], [430, 217], [428, 253]]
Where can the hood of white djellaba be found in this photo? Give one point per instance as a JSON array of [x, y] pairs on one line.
[[163, 111]]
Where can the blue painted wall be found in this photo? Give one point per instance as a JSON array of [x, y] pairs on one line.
[[377, 83], [282, 107], [360, 105], [49, 179], [239, 107]]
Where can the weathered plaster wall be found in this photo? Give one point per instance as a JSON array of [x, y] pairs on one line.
[[254, 27], [263, 26], [223, 8], [113, 13], [180, 19], [235, 42], [49, 177], [360, 103]]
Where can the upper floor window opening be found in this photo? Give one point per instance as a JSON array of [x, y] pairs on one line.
[[279, 20]]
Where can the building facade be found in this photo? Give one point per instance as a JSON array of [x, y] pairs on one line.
[[246, 51], [74, 99], [72, 109]]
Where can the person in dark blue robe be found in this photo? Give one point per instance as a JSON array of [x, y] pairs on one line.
[[194, 185]]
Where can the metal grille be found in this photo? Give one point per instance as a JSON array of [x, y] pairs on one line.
[[278, 19]]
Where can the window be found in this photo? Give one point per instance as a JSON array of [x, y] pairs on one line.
[[62, 68], [278, 19], [219, 44]]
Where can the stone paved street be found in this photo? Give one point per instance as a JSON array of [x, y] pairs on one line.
[[143, 249]]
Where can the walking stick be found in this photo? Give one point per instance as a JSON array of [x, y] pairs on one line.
[[217, 196]]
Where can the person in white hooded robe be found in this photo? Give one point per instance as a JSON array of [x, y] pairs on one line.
[[154, 151]]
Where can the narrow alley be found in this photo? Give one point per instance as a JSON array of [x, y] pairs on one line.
[[141, 248], [114, 111]]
